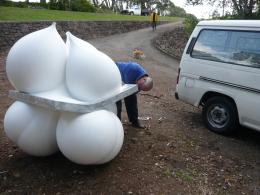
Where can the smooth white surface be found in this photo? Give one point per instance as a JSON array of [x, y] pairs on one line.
[[117, 146], [93, 138], [36, 62], [90, 74], [32, 128], [76, 40]]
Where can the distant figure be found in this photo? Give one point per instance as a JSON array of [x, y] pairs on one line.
[[133, 73], [154, 19]]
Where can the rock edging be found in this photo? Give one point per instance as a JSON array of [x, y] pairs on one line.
[[10, 32], [171, 42]]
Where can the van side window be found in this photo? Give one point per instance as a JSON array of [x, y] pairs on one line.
[[236, 47]]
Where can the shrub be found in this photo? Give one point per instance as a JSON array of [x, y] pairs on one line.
[[82, 5], [189, 24], [7, 3]]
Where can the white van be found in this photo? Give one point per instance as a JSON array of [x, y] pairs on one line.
[[220, 71], [136, 10]]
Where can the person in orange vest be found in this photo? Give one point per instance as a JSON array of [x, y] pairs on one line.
[[154, 17]]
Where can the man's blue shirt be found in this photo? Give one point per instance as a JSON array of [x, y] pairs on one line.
[[130, 71]]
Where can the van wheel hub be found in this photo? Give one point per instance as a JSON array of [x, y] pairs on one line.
[[218, 117]]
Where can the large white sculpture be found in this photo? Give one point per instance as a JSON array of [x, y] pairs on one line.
[[37, 61], [38, 64]]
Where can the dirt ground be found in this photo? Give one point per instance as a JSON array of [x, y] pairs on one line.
[[176, 154]]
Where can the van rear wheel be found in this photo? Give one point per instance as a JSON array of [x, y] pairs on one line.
[[220, 115]]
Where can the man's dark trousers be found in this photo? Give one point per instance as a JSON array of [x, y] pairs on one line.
[[131, 108], [154, 25]]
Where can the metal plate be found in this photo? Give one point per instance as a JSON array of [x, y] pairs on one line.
[[76, 106]]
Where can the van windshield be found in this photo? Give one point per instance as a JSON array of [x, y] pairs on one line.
[[237, 47]]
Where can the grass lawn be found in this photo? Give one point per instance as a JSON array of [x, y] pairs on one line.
[[29, 14]]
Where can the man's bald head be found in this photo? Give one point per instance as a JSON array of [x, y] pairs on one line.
[[145, 83]]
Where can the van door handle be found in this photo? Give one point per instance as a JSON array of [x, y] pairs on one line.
[[192, 43]]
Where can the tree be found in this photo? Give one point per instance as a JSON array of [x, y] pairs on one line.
[[189, 23], [245, 7], [74, 5], [242, 8], [82, 5], [215, 14], [163, 5], [177, 11]]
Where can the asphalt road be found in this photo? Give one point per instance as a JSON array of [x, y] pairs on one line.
[[120, 46]]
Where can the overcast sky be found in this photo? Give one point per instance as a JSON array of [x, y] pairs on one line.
[[199, 11]]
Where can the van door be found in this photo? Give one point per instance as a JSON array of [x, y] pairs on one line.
[[201, 65], [248, 100], [244, 48]]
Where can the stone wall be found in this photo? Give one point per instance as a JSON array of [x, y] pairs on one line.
[[10, 32], [172, 42]]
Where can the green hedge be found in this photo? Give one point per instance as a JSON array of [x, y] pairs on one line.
[[190, 23]]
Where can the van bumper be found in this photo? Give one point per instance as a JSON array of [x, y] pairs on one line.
[[176, 95]]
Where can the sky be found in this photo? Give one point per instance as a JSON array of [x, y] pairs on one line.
[[200, 11]]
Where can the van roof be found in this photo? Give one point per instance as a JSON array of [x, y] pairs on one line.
[[231, 23]]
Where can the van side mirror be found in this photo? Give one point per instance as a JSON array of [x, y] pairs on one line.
[[192, 42]]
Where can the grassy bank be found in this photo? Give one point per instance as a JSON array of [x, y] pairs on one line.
[[29, 14]]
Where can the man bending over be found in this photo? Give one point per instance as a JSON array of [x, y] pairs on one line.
[[133, 73]]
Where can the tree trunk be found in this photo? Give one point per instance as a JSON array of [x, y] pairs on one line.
[[113, 4], [95, 2]]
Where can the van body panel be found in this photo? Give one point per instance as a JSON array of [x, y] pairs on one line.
[[193, 94], [189, 94], [241, 82], [248, 105]]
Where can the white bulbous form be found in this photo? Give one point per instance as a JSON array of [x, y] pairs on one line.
[[36, 62], [76, 40], [90, 74], [93, 138], [32, 128]]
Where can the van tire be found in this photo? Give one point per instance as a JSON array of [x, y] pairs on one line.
[[131, 13], [220, 115]]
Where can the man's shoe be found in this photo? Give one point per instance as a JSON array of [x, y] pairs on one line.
[[137, 124]]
